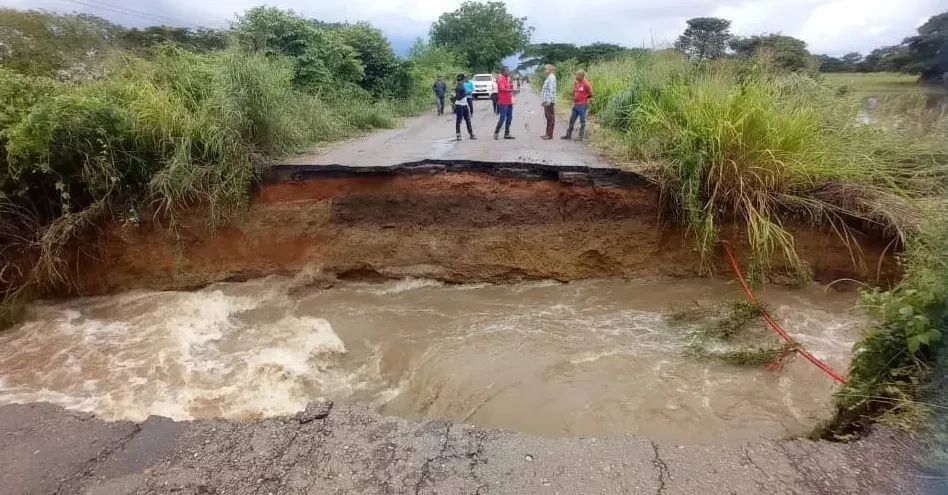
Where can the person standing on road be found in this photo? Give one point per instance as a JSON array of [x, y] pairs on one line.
[[493, 94], [440, 88], [461, 109], [504, 103], [582, 92], [469, 89], [548, 100]]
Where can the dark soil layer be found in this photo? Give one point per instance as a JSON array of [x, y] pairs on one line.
[[457, 222]]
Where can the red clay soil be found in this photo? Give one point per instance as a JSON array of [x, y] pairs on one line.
[[453, 226]]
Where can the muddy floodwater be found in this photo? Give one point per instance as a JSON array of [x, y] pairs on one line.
[[591, 358]]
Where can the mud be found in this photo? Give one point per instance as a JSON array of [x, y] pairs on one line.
[[450, 221], [352, 450]]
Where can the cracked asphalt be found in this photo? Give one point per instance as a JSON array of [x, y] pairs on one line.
[[46, 449]]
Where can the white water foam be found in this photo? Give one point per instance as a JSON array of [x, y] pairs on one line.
[[399, 286], [190, 356]]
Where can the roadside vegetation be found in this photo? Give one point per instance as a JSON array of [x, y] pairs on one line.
[[99, 122], [747, 131]]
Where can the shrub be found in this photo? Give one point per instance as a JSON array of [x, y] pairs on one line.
[[892, 365]]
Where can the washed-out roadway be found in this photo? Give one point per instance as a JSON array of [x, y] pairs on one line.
[[431, 137], [46, 449]]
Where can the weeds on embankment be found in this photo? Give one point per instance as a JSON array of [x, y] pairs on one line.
[[738, 140], [161, 129], [893, 364], [742, 142]]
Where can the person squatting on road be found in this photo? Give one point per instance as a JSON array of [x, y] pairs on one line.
[[439, 88], [461, 109], [504, 103], [582, 92], [469, 90], [548, 100]]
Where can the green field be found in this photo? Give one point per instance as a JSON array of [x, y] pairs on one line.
[[881, 84]]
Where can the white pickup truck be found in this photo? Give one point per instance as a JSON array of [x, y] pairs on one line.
[[484, 85]]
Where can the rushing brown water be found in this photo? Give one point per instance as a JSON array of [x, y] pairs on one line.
[[580, 359]]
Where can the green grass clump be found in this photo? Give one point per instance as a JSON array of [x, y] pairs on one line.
[[726, 319], [720, 323], [893, 364], [744, 356], [742, 143]]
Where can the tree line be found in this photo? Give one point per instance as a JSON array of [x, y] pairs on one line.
[[924, 54]]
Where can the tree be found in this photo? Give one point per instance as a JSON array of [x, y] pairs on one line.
[[886, 59], [320, 55], [484, 32], [199, 40], [65, 46], [430, 61], [789, 52], [705, 38], [547, 53], [555, 53], [851, 60], [599, 51], [830, 64], [374, 51], [928, 51]]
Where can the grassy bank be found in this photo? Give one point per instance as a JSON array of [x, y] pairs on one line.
[[160, 128], [739, 139]]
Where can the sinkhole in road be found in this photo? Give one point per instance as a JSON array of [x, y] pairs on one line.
[[586, 358]]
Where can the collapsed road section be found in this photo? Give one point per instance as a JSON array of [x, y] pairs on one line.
[[457, 221]]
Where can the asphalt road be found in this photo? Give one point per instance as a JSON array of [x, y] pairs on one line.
[[45, 449], [431, 136]]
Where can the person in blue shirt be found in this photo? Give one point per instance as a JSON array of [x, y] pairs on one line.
[[469, 88]]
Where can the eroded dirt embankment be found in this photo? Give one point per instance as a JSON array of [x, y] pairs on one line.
[[457, 222]]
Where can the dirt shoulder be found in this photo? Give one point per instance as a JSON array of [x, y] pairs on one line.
[[47, 449]]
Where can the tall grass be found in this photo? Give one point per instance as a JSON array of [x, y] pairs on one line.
[[155, 137], [740, 142], [733, 142]]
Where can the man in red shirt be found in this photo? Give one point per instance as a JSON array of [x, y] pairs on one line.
[[504, 103], [582, 92]]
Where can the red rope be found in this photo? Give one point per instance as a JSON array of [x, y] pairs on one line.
[[776, 326]]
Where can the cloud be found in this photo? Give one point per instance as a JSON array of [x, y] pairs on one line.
[[828, 26]]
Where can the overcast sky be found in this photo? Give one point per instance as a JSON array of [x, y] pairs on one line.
[[828, 26]]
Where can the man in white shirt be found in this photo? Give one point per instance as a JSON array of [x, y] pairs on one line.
[[548, 99]]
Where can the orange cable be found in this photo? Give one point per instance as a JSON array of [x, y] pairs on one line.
[[776, 326]]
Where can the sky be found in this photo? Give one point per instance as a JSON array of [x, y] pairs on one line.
[[834, 27]]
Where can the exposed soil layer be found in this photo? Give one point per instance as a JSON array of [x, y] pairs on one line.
[[457, 222]]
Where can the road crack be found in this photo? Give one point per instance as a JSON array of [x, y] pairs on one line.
[[426, 467], [663, 473]]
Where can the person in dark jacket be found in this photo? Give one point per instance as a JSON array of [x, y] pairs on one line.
[[461, 109], [440, 88]]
